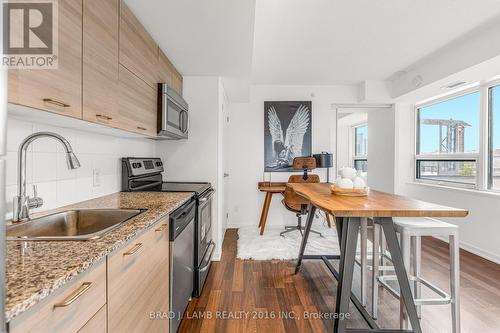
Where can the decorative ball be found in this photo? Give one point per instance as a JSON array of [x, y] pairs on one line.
[[348, 173], [345, 183], [359, 183]]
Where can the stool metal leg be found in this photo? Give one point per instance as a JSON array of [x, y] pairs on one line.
[[375, 271], [416, 246], [405, 252], [399, 267], [364, 255], [455, 282]]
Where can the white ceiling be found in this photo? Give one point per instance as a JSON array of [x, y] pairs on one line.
[[211, 37], [317, 42]]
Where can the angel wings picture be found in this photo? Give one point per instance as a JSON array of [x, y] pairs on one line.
[[287, 133]]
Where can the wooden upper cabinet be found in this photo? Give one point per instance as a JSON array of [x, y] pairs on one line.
[[168, 74], [137, 106], [138, 50], [55, 90], [100, 61]]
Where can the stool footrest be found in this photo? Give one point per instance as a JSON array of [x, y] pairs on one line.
[[444, 298]]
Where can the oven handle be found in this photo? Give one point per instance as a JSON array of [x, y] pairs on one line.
[[207, 196], [134, 188], [205, 267]]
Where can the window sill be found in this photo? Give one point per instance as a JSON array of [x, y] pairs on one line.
[[491, 194]]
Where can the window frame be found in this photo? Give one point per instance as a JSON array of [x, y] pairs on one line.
[[482, 158], [354, 156]]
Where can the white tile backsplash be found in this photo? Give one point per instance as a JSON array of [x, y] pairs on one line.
[[46, 163]]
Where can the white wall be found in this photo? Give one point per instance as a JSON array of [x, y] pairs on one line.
[[47, 169], [479, 231], [381, 149], [199, 157], [246, 151]]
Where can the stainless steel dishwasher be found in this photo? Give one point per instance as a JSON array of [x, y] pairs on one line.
[[181, 261]]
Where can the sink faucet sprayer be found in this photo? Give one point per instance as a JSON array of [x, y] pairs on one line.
[[22, 202]]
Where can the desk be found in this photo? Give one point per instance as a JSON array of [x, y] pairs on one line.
[[349, 211], [269, 188]]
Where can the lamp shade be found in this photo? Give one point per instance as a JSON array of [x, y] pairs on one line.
[[324, 160]]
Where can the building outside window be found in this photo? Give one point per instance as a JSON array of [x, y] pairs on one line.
[[361, 148], [448, 140]]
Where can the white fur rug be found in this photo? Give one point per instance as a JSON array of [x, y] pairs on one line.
[[271, 245]]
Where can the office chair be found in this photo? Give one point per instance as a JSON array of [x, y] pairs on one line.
[[294, 202]]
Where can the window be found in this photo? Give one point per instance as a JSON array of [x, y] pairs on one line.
[[494, 144], [361, 148], [448, 134]]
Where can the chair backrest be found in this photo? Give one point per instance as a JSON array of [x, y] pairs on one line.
[[292, 200]]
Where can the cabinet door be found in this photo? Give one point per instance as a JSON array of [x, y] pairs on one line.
[[177, 82], [138, 50], [100, 61], [96, 324], [55, 90], [138, 283], [165, 69], [137, 106]]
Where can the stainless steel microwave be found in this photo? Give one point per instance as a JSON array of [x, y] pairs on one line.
[[173, 116]]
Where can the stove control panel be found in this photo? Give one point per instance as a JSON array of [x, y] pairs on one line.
[[142, 166]]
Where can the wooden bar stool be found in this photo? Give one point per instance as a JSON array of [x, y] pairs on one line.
[[410, 231]]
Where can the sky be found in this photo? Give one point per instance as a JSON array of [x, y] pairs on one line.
[[464, 108], [495, 99]]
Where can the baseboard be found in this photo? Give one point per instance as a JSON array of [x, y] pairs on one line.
[[475, 250]]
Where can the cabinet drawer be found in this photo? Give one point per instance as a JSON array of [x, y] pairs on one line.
[[138, 282], [69, 309]]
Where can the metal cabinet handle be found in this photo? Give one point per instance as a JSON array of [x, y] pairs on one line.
[[103, 117], [162, 227], [75, 295], [142, 128], [56, 103], [133, 250]]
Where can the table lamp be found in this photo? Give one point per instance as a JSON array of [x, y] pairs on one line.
[[324, 160]]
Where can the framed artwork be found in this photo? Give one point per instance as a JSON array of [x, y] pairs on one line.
[[287, 134]]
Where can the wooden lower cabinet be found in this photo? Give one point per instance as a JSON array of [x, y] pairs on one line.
[[138, 283], [69, 309], [97, 324]]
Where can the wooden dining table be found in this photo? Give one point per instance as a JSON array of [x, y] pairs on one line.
[[381, 207]]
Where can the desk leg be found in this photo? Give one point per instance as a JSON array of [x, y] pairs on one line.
[[399, 267], [310, 218], [327, 215], [265, 210], [350, 229]]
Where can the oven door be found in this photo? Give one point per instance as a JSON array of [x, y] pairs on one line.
[[204, 224]]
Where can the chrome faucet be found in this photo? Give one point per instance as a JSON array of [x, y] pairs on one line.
[[22, 202]]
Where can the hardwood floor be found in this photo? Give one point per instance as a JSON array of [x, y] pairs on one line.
[[265, 296]]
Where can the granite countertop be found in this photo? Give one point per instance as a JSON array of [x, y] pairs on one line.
[[35, 269]]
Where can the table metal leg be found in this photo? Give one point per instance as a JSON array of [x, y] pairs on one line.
[[364, 257], [265, 210], [375, 271], [346, 270], [310, 218], [455, 282], [399, 267]]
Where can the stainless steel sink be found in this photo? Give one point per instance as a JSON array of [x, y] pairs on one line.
[[81, 224]]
